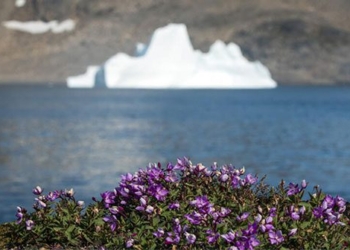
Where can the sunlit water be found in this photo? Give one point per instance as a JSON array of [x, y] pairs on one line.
[[61, 138]]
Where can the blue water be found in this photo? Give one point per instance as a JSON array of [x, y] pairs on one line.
[[61, 138]]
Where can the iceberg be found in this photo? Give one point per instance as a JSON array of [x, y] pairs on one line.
[[169, 61], [86, 80]]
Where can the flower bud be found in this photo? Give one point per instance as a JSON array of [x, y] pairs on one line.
[[29, 224], [77, 220], [37, 191], [242, 170], [303, 184], [95, 210], [81, 203], [292, 232], [70, 192]]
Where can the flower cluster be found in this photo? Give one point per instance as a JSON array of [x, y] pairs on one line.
[[331, 210], [294, 189], [186, 206]]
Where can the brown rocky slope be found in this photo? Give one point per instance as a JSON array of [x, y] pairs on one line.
[[300, 41]]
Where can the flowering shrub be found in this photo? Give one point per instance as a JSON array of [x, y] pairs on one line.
[[186, 206]]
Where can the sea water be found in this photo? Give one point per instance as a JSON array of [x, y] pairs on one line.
[[62, 138]]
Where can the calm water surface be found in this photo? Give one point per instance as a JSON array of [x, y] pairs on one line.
[[61, 138]]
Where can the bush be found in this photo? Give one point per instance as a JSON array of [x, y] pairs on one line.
[[185, 206]]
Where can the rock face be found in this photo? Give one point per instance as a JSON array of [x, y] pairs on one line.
[[301, 41]]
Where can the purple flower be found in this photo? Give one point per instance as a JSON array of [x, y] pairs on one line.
[[149, 209], [37, 191], [155, 173], [266, 224], [182, 164], [53, 195], [251, 242], [223, 177], [202, 203], [214, 167], [159, 233], [108, 198], [341, 203], [172, 239], [229, 237], [190, 238], [212, 237], [295, 216], [276, 237], [318, 212], [243, 216], [116, 210], [143, 204], [251, 230], [235, 181], [328, 201], [126, 178], [112, 221], [171, 177], [293, 189], [207, 172], [19, 217], [295, 213], [177, 227], [250, 179], [174, 206], [29, 224], [129, 243], [20, 214], [258, 218], [199, 168], [224, 212], [273, 212], [40, 201], [123, 191], [292, 232], [159, 192], [169, 167], [194, 218]]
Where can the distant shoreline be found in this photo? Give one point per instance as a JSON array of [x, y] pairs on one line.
[[64, 84]]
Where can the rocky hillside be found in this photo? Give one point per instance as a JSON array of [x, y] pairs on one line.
[[300, 41]]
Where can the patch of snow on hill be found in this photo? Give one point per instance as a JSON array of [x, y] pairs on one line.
[[20, 3], [39, 27]]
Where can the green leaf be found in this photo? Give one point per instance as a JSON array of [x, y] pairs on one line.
[[305, 224], [305, 204], [70, 229], [155, 221], [87, 238]]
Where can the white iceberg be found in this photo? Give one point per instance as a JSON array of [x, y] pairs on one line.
[[171, 62], [86, 80], [39, 27]]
